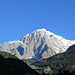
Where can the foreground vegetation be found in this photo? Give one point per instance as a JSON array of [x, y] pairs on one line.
[[7, 55], [63, 61]]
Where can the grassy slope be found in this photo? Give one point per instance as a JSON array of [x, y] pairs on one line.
[[7, 55]]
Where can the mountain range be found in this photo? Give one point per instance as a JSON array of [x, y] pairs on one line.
[[37, 45]]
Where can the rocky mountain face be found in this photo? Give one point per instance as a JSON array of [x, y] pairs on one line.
[[37, 45]]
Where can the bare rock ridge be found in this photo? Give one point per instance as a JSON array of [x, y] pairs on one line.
[[37, 45]]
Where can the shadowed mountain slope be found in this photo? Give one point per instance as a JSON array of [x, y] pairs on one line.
[[10, 66], [63, 61]]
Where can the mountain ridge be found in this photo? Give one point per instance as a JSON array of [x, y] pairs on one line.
[[37, 45]]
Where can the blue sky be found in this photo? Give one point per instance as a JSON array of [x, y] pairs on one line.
[[18, 17]]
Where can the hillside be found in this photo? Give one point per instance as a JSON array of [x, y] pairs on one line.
[[11, 66], [63, 61], [7, 55]]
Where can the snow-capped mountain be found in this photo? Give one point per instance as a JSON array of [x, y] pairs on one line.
[[37, 45]]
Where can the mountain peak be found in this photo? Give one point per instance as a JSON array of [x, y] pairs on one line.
[[37, 45], [42, 32], [37, 34], [43, 29]]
